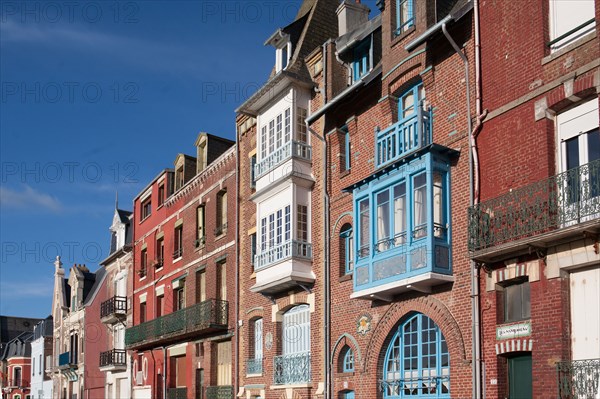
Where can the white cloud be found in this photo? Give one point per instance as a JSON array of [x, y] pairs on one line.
[[29, 199]]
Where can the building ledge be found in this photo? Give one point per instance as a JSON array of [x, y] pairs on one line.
[[421, 283], [291, 386], [282, 284]]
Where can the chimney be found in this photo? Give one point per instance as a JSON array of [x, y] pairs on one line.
[[351, 14]]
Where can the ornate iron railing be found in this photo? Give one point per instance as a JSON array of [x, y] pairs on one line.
[[115, 357], [295, 249], [207, 315], [113, 306], [178, 253], [579, 379], [291, 369], [403, 137], [254, 366], [176, 393], [438, 386], [290, 149], [560, 201], [219, 392]]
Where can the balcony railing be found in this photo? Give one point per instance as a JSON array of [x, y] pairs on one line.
[[290, 149], [116, 305], [560, 201], [416, 386], [254, 366], [115, 357], [65, 359], [205, 316], [219, 392], [578, 379], [291, 369], [178, 253], [220, 229], [290, 249], [403, 137], [176, 393]]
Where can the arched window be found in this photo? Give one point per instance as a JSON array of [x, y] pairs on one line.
[[417, 362], [293, 366], [346, 360], [346, 249]]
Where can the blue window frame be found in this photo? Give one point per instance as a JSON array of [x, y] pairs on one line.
[[417, 361], [409, 101], [347, 395], [403, 223], [347, 250], [405, 15], [361, 63], [347, 357]]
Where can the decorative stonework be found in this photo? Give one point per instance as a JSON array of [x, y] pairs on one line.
[[515, 345], [269, 341], [363, 324]]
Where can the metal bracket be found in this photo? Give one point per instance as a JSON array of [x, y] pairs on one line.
[[269, 297], [540, 252], [305, 288]]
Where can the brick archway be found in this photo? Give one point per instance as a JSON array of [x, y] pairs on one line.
[[432, 308]]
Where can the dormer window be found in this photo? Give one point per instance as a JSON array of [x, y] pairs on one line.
[[283, 55], [362, 61]]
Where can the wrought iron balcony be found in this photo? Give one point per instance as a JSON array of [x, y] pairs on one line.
[[549, 207], [290, 249], [578, 379], [112, 309], [219, 392], [176, 393], [113, 359], [254, 366], [178, 253], [204, 317], [291, 369], [416, 386], [66, 360], [291, 149], [403, 138]]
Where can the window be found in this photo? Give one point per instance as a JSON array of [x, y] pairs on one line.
[[345, 156], [517, 304], [275, 228], [363, 229], [409, 102], [143, 263], [200, 286], [579, 153], [347, 360], [224, 363], [41, 366], [404, 15], [258, 339], [301, 130], [252, 247], [361, 63], [33, 366], [142, 312], [277, 132], [178, 242], [569, 21], [302, 228], [17, 376], [179, 296], [252, 171], [296, 331], [160, 305], [222, 280], [221, 212], [282, 55], [160, 252], [179, 179], [200, 226], [347, 249], [417, 361], [178, 368], [146, 208], [161, 194]]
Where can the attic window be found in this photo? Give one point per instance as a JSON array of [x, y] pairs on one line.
[[283, 54]]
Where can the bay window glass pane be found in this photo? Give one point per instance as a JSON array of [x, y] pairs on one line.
[[420, 206], [400, 214], [288, 223], [408, 104], [364, 236], [263, 142], [438, 206], [288, 125], [279, 130], [271, 136], [383, 220]]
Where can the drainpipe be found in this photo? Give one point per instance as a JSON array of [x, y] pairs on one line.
[[475, 345], [236, 348]]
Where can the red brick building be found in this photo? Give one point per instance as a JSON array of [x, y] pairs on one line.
[[534, 232], [393, 106], [16, 383], [184, 288]]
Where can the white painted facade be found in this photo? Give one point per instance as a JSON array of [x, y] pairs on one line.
[[41, 384]]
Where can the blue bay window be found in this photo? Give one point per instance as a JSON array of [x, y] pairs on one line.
[[402, 236], [417, 361]]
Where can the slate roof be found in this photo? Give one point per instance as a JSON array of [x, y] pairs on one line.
[[11, 327], [19, 346]]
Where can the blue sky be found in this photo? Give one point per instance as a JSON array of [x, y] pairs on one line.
[[99, 96]]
